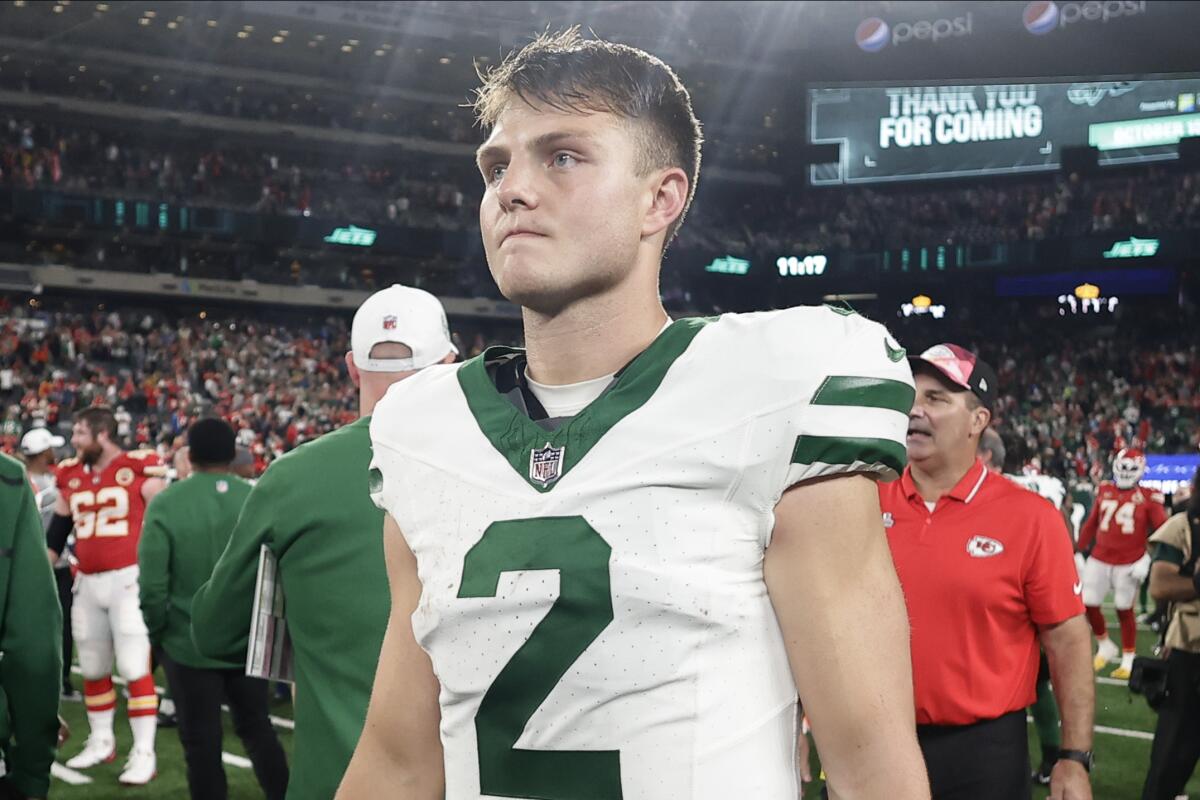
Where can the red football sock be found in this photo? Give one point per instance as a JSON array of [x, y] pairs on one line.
[[143, 702], [1128, 629], [1096, 618], [98, 695]]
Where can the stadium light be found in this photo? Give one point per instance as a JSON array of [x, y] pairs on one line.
[[922, 305]]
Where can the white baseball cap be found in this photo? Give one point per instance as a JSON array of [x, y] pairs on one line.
[[39, 440], [412, 317]]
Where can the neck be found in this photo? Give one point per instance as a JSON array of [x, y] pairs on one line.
[[933, 480], [593, 337], [107, 457], [366, 403], [219, 468]]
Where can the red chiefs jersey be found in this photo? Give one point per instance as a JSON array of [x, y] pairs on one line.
[[1121, 521], [108, 507]]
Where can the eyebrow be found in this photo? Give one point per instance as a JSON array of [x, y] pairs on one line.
[[491, 151]]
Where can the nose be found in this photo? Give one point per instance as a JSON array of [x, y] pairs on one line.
[[516, 189]]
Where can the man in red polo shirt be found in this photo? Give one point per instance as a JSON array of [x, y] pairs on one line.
[[988, 574]]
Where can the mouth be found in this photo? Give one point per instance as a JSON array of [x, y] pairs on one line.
[[914, 434], [521, 234]]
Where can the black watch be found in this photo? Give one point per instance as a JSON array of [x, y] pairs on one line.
[[1083, 757]]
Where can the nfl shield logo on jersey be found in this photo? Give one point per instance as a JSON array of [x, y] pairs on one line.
[[545, 465]]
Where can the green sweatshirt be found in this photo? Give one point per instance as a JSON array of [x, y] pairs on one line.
[[30, 638], [186, 528], [312, 508]]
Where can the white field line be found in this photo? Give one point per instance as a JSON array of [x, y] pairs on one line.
[[67, 775]]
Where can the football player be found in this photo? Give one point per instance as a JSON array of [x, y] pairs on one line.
[[1122, 519], [614, 556], [103, 493]]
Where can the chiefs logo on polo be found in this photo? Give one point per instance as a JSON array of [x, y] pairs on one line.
[[984, 547]]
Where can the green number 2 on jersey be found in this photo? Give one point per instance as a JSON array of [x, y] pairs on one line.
[[583, 609]]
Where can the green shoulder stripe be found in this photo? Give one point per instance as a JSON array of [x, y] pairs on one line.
[[847, 450], [845, 310], [846, 390]]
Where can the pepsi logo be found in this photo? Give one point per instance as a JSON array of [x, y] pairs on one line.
[[1040, 17], [871, 35]]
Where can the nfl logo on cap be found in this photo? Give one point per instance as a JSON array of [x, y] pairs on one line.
[[389, 322], [545, 465]]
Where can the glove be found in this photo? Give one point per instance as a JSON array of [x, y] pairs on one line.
[[1141, 568], [1080, 561]]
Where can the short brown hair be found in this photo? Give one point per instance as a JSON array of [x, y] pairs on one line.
[[568, 73], [100, 418]]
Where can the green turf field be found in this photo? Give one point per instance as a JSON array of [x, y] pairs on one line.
[[172, 778], [1121, 760]]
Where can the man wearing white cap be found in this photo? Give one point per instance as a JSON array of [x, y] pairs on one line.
[[37, 447], [313, 510]]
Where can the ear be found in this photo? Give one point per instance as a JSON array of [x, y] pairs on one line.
[[980, 419], [669, 195], [355, 378]]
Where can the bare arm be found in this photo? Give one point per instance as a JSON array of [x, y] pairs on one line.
[[1167, 584], [1068, 647], [152, 487], [830, 577], [400, 746]]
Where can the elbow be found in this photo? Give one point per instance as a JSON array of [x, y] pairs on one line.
[[1158, 592]]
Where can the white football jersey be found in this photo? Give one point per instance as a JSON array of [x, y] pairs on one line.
[[593, 599], [1047, 486]]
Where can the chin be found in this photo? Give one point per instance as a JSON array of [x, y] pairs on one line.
[[532, 287], [918, 452]]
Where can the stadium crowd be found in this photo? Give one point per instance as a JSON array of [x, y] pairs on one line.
[[387, 190], [1147, 199], [236, 98], [280, 384], [1068, 403], [83, 160]]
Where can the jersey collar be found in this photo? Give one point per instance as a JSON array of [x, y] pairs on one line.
[[519, 439], [964, 491]]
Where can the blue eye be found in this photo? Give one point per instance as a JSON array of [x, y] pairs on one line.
[[564, 159], [494, 174]]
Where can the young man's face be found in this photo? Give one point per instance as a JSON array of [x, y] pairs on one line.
[[563, 208]]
